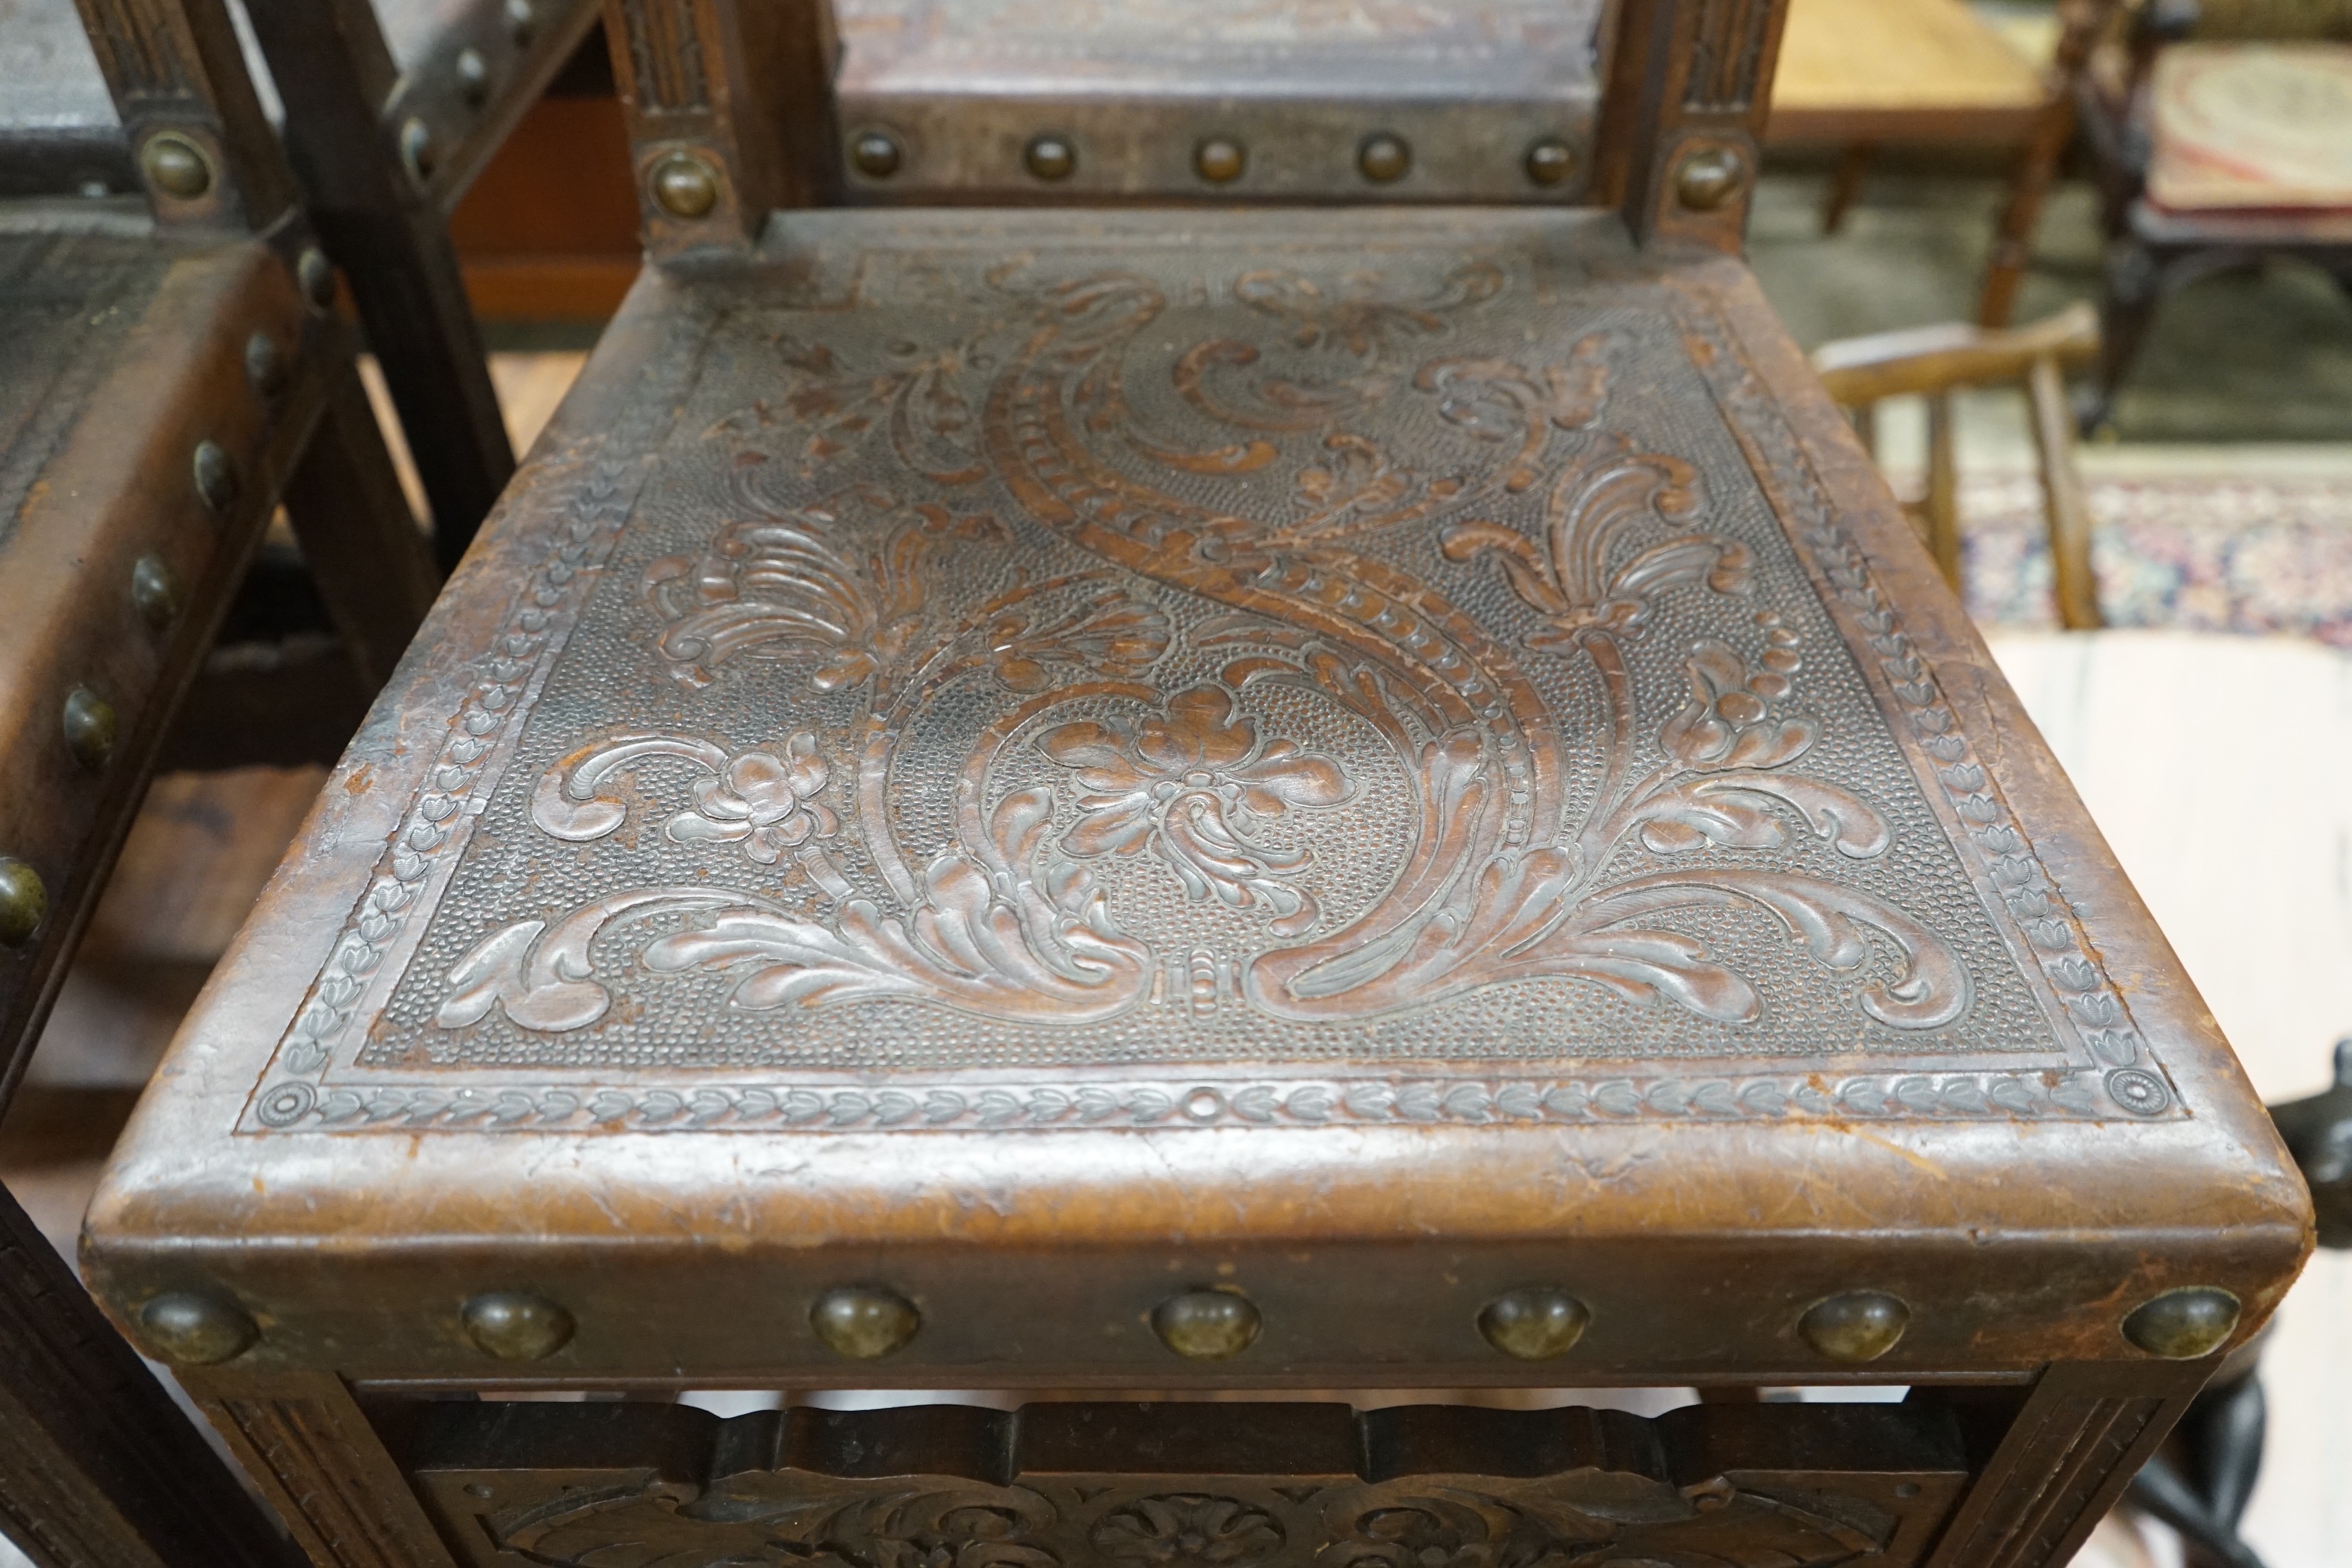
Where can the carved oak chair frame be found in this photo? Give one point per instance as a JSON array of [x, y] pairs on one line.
[[336, 1303], [180, 375]]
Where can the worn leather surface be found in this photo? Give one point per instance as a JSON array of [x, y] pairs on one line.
[[962, 86], [1016, 735]]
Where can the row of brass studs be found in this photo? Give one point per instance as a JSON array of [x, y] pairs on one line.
[[87, 721], [1052, 156], [417, 150], [867, 1323]]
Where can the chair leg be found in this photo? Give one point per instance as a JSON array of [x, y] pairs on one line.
[[2133, 290], [2029, 187], [1943, 489], [97, 1464], [371, 564], [2161, 1490], [2224, 1434], [379, 225], [1845, 184], [2065, 504]]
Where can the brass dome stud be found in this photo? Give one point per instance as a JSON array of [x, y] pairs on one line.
[[191, 1329], [417, 150], [1383, 158], [1051, 156], [1861, 1325], [1707, 179], [91, 727], [1535, 1323], [1550, 162], [315, 275], [2181, 1325], [522, 21], [1207, 1325], [515, 1325], [154, 591], [684, 186], [175, 165], [216, 475], [265, 367], [1220, 160], [877, 154], [865, 1322], [473, 77], [23, 902]]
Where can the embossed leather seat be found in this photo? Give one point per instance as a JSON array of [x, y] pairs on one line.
[[1251, 799]]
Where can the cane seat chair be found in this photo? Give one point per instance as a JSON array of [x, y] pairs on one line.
[[1227, 796], [389, 108], [173, 373]]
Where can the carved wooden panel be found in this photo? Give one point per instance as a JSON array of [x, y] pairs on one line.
[[1728, 55], [1246, 1486], [1120, 684]]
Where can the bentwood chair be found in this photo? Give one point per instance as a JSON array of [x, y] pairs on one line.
[[173, 372], [388, 109], [1235, 735]]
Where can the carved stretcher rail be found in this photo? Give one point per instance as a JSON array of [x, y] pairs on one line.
[[1239, 1485]]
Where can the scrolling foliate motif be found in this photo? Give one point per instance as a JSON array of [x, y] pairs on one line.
[[1589, 1517], [1504, 880], [1147, 669]]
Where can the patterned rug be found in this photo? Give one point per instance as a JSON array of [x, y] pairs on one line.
[[2220, 552]]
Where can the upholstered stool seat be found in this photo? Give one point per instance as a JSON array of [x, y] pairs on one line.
[[2252, 126]]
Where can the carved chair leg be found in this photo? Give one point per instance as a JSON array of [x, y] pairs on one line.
[[97, 1467], [2049, 1473], [372, 565], [305, 1439]]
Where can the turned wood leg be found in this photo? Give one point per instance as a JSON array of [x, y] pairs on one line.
[[2055, 1469], [1943, 505], [2012, 246], [98, 1467], [2125, 314], [1845, 184], [2064, 503]]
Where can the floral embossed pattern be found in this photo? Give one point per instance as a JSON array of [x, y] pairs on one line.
[[1355, 660]]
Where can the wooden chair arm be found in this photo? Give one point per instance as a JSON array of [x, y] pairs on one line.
[[1860, 371]]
